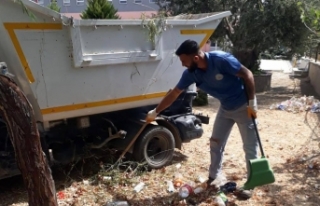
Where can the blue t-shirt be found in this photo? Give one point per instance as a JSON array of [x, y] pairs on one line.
[[219, 80]]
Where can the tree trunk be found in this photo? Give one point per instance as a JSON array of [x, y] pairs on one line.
[[21, 125]]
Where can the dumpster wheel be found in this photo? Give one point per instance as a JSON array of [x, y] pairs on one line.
[[155, 146]]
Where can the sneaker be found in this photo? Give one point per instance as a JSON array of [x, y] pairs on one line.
[[212, 187], [243, 194], [229, 187], [209, 181]]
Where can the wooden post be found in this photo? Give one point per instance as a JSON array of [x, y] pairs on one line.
[[18, 114]]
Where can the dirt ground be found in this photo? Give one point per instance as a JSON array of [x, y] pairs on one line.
[[290, 140]]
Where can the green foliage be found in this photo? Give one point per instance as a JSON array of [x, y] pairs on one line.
[[269, 26], [26, 10], [99, 9], [201, 99], [54, 6], [254, 26], [153, 25], [310, 14]]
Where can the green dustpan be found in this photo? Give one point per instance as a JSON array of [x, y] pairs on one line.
[[260, 171]]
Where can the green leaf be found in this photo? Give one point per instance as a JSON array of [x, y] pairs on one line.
[[100, 9]]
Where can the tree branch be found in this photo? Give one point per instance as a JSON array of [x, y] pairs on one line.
[[230, 28], [312, 31]]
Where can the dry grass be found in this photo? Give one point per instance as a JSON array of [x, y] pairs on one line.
[[291, 143]]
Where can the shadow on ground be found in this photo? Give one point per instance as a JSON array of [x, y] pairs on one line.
[[300, 172]]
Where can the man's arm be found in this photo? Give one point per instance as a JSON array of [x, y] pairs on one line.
[[168, 99], [171, 96], [185, 81], [247, 76]]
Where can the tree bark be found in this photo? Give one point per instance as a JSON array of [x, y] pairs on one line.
[[21, 125]]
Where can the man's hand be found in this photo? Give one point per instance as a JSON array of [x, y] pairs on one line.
[[171, 96], [152, 114], [252, 108]]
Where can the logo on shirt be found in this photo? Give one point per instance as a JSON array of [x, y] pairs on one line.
[[219, 77]]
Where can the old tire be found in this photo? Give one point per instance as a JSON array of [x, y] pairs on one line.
[[155, 146]]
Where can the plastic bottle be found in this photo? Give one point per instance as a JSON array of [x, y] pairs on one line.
[[221, 199]]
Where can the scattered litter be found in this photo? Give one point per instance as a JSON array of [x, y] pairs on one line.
[[178, 165], [117, 203], [192, 187], [297, 105], [302, 159], [170, 186], [106, 178], [260, 193], [177, 182], [220, 199], [187, 189], [201, 179], [183, 202], [139, 187], [200, 188], [61, 195], [85, 182]]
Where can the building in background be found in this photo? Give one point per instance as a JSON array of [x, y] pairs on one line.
[[127, 9]]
